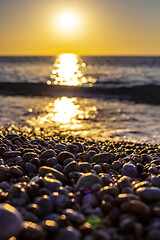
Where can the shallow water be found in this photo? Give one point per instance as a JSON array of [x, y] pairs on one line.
[[97, 118]]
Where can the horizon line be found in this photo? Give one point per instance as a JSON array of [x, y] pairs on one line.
[[87, 55]]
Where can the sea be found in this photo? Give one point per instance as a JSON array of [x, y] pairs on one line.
[[100, 97]]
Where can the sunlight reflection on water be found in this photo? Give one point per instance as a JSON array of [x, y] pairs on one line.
[[64, 113], [68, 69]]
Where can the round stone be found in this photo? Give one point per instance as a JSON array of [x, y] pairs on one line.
[[51, 183], [136, 207], [68, 234], [64, 155], [45, 170], [129, 170], [86, 181], [71, 167], [48, 154], [10, 221], [45, 205], [32, 231], [149, 194], [103, 157]]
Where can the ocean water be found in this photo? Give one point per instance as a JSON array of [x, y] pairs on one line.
[[118, 116], [100, 71]]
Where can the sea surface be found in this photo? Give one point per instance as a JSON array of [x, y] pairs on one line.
[[65, 94]]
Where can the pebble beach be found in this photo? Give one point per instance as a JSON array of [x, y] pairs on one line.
[[54, 188]]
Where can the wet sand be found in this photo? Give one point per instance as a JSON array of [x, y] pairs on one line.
[[65, 187]]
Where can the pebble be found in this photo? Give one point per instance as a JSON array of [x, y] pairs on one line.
[[125, 197], [48, 154], [51, 183], [73, 148], [68, 234], [50, 226], [50, 162], [3, 171], [30, 168], [28, 156], [149, 194], [32, 231], [136, 207], [153, 234], [71, 167], [60, 201], [86, 181], [82, 189], [103, 157], [129, 170], [10, 221], [11, 154], [155, 180], [45, 205], [84, 167], [90, 200], [64, 155], [111, 190], [124, 182], [74, 216], [45, 170], [142, 184]]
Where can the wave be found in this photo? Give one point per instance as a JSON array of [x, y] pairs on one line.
[[141, 94]]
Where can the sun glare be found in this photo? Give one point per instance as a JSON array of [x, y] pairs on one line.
[[68, 70], [68, 21]]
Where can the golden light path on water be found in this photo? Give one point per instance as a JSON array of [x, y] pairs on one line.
[[69, 69], [64, 113]]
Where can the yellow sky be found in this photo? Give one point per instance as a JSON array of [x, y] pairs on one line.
[[104, 27]]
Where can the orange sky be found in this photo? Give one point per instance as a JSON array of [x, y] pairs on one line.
[[105, 27]]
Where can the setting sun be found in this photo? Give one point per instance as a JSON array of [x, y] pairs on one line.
[[68, 21]]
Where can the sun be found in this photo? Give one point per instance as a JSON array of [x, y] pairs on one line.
[[68, 21]]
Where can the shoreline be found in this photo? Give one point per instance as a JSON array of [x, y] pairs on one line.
[[68, 187]]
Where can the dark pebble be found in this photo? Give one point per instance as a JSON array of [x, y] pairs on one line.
[[149, 194], [103, 157], [129, 170], [86, 181], [10, 221], [68, 234], [64, 155], [45, 170], [32, 231], [45, 205]]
